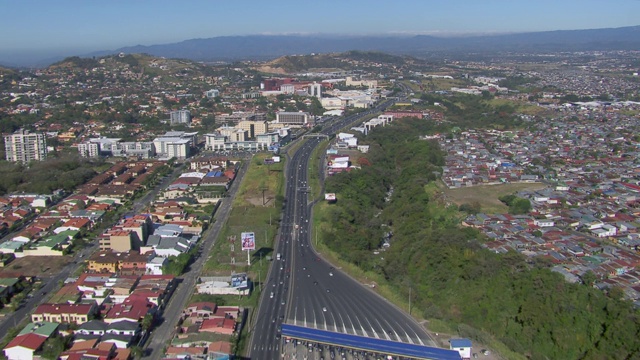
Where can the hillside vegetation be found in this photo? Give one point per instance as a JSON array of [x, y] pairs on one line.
[[484, 295]]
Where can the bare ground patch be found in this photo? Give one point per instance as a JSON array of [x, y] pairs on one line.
[[39, 266]]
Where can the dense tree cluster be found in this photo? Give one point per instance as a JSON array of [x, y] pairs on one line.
[[46, 176], [517, 205], [508, 297]]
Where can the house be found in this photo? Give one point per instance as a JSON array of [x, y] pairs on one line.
[[219, 348], [201, 310], [130, 310], [191, 352], [463, 346], [64, 313], [155, 265], [92, 350], [93, 327], [218, 325], [22, 347]]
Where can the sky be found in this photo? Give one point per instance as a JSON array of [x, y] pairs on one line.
[[79, 26]]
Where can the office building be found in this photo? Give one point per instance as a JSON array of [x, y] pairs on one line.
[[292, 118], [25, 146], [315, 89], [180, 117], [212, 94], [176, 144]]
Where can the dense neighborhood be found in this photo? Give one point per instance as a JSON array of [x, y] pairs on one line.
[[181, 130]]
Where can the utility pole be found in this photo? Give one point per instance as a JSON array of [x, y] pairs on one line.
[[410, 287]]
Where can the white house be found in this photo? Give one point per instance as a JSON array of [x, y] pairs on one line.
[[154, 266], [22, 347], [462, 346], [543, 222]]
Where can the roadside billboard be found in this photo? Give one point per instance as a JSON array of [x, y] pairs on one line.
[[330, 196], [239, 281], [248, 240]]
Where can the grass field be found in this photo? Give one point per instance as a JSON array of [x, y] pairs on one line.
[[487, 195], [255, 208]]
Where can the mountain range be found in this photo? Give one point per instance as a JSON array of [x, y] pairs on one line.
[[262, 47]]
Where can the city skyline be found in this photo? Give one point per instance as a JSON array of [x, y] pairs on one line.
[[75, 27]]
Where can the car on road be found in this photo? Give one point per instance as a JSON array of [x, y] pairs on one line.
[[324, 309], [271, 295]]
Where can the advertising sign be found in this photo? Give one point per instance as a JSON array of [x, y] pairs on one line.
[[239, 280], [248, 240]]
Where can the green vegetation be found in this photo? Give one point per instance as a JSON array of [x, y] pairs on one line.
[[485, 197], [516, 305], [177, 265], [256, 208], [517, 205], [43, 177], [314, 166]]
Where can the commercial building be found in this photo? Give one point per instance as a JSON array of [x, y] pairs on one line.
[[180, 117], [174, 144], [237, 117], [97, 147], [212, 94], [254, 128], [25, 146], [214, 141], [292, 118], [315, 89]]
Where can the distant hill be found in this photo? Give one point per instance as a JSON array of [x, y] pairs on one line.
[[268, 46], [265, 47]]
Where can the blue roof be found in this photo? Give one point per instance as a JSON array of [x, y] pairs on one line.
[[387, 347], [459, 343]]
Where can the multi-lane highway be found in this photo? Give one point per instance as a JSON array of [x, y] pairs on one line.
[[303, 289]]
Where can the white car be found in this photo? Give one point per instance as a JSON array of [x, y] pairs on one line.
[[324, 309]]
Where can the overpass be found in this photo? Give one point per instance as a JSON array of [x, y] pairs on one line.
[[379, 346], [317, 135]]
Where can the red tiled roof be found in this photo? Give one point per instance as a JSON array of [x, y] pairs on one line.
[[28, 341], [83, 309]]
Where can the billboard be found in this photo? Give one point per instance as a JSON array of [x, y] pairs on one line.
[[330, 196], [248, 241], [239, 281]]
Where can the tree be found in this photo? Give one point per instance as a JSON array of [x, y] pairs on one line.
[[589, 278], [147, 322]]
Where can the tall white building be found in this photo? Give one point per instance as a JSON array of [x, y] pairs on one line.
[[180, 117], [89, 149], [25, 146], [212, 94], [174, 144], [315, 89]]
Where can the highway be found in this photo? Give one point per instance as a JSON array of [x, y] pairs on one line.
[[303, 289]]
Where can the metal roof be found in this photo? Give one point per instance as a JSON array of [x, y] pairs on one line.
[[386, 347]]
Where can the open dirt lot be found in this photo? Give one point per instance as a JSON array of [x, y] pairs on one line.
[[40, 266]]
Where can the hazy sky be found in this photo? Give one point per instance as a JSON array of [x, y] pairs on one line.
[[74, 26]]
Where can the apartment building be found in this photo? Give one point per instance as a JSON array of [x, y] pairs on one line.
[[25, 146], [180, 117]]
